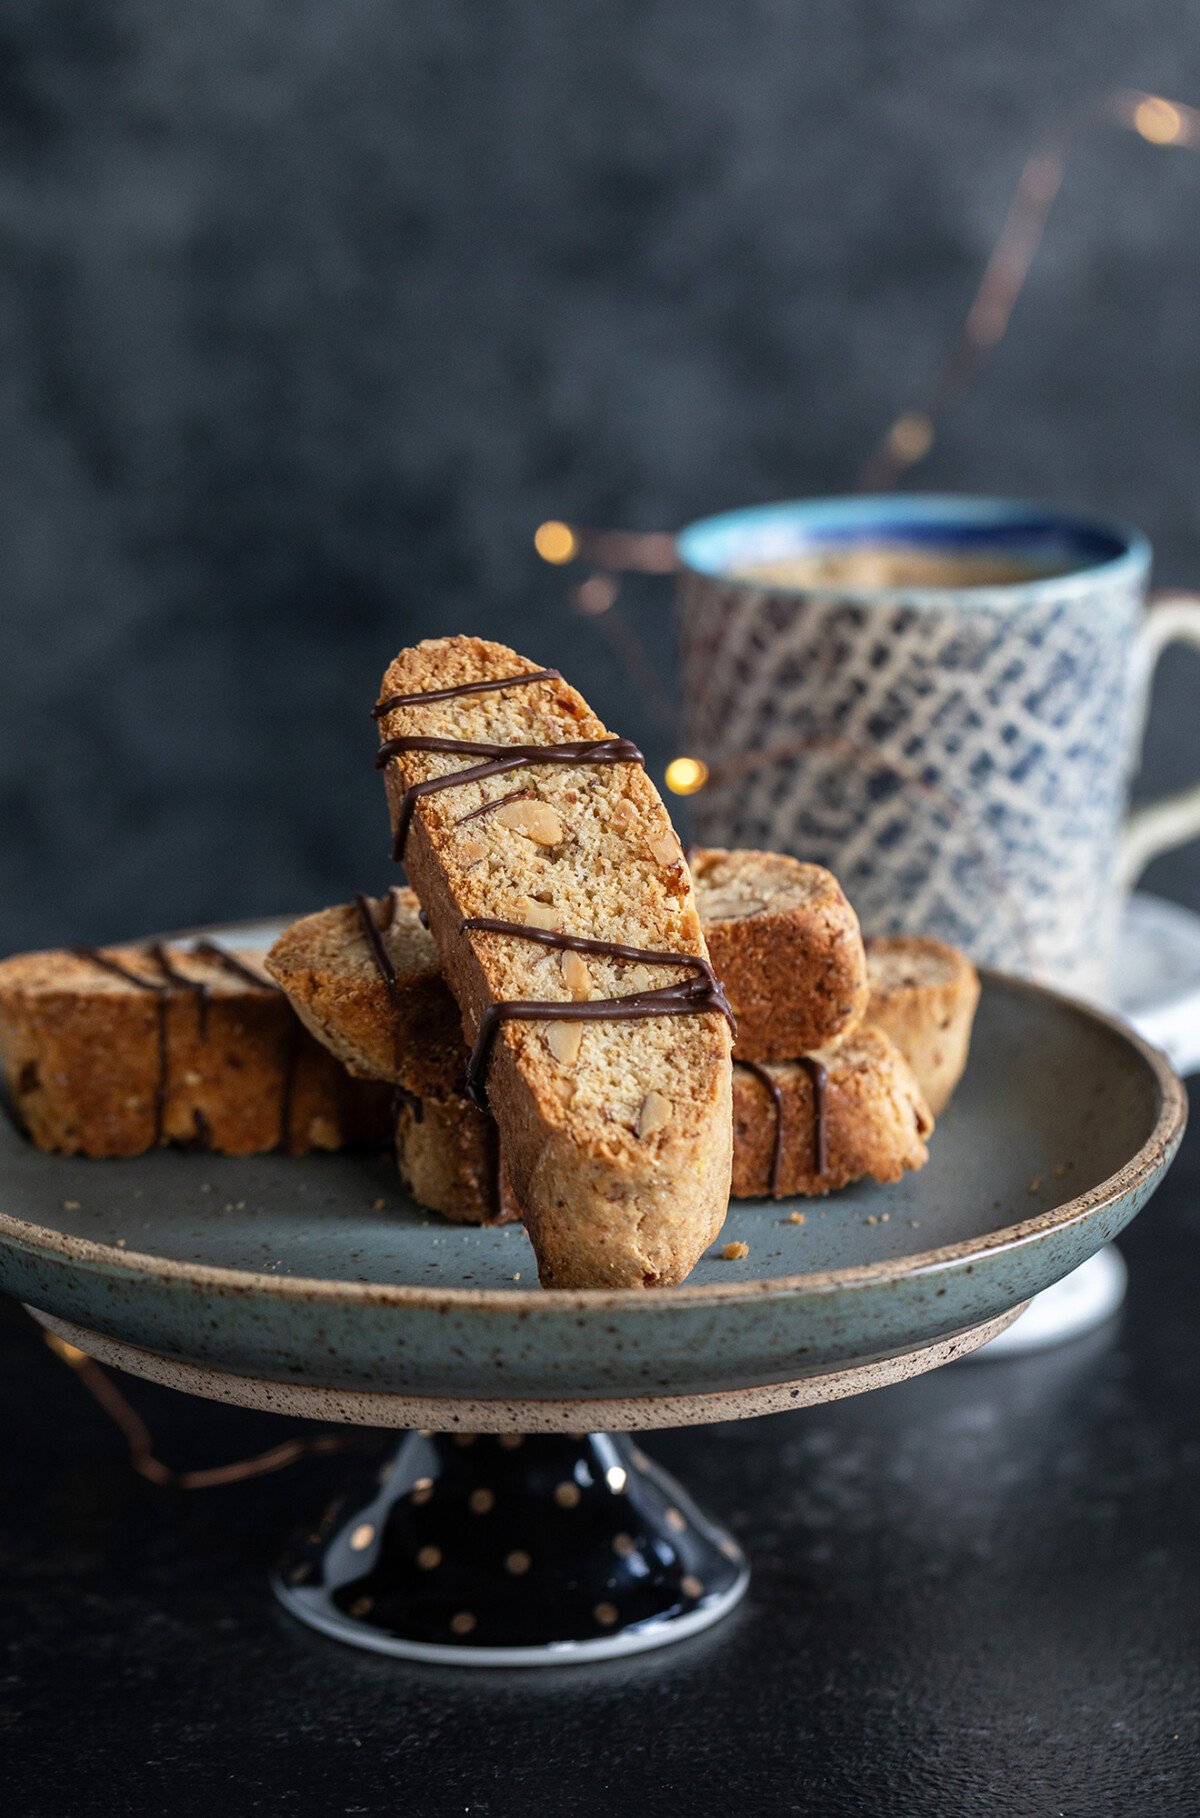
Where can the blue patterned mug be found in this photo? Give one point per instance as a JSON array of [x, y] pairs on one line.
[[942, 699]]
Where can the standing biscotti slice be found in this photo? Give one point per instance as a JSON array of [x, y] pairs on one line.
[[554, 882], [786, 945], [923, 995], [808, 1126]]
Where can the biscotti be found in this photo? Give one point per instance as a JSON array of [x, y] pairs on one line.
[[786, 945], [366, 978], [923, 995], [446, 1148], [557, 884], [809, 1126], [448, 1154], [801, 1127], [112, 1052]]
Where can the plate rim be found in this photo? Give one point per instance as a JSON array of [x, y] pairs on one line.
[[1151, 1157]]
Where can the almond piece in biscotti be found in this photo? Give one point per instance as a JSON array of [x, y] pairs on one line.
[[603, 1208]]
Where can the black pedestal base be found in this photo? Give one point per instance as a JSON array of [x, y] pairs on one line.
[[512, 1550]]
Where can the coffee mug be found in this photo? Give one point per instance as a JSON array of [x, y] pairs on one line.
[[942, 699]]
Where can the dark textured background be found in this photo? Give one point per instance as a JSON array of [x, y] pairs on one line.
[[311, 312]]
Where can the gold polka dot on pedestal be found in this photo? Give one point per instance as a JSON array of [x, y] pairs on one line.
[[691, 1586], [462, 1623], [518, 1563], [421, 1491], [624, 1545], [510, 1441], [606, 1614], [566, 1495], [362, 1536], [429, 1558], [299, 1573], [481, 1502], [362, 1606], [463, 1439], [675, 1520]]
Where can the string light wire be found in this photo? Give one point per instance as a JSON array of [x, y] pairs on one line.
[[913, 433], [136, 1434]]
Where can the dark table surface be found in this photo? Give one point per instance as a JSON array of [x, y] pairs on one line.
[[978, 1592]]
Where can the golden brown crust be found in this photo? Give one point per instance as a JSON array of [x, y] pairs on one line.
[[448, 1154], [83, 1064], [786, 944], [876, 1120], [605, 1206], [923, 995], [324, 963]]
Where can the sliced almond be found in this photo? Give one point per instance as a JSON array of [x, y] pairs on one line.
[[654, 1114], [576, 976], [538, 915], [637, 978], [664, 846], [729, 908], [536, 820], [565, 1040], [471, 851], [622, 816]]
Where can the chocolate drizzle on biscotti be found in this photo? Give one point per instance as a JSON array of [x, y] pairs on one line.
[[819, 1077], [459, 688], [776, 1090], [501, 801], [818, 1074], [498, 760], [383, 965], [233, 965], [694, 995], [162, 959], [690, 996], [174, 979], [291, 1053], [162, 993], [403, 1099], [379, 953]]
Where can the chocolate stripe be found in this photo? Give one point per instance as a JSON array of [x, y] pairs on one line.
[[161, 957], [161, 996], [450, 694], [818, 1074], [687, 997], [499, 759]]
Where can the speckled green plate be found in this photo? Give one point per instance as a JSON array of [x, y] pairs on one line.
[[286, 1272]]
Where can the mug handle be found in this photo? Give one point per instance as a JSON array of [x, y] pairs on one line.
[[1157, 826]]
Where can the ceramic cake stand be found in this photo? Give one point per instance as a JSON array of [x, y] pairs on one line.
[[519, 1525]]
